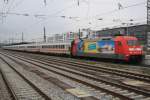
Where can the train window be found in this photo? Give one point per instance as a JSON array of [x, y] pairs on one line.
[[44, 46], [132, 42], [69, 48], [119, 43], [107, 39], [63, 46]]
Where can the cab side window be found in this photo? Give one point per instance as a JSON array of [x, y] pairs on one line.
[[119, 43]]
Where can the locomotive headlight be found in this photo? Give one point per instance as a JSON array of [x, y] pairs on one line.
[[131, 49], [138, 49]]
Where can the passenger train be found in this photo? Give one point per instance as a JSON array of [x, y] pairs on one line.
[[124, 48]]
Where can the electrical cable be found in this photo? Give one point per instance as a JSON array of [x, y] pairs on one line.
[[57, 12], [17, 4], [113, 11]]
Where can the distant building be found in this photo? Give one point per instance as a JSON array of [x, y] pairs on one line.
[[50, 39], [64, 37], [139, 31], [142, 32]]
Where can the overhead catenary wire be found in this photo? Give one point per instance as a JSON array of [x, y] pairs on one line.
[[125, 7], [105, 13], [92, 17], [5, 1], [9, 7], [50, 15], [5, 5], [116, 10], [101, 15], [5, 11], [17, 4], [45, 2]]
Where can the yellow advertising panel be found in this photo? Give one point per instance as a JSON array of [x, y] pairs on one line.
[[90, 47]]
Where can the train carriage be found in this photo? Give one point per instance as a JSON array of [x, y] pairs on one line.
[[56, 48]]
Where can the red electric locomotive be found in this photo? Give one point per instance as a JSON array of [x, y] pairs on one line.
[[129, 47], [124, 48]]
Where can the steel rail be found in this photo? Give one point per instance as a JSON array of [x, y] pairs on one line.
[[105, 90], [13, 95], [28, 81]]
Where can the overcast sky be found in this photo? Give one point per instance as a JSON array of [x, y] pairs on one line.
[[59, 16]]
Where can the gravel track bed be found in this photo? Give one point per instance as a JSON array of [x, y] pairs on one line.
[[138, 70], [4, 93], [22, 90], [114, 76], [54, 92], [97, 94], [106, 86], [125, 67], [124, 92], [107, 70], [93, 73]]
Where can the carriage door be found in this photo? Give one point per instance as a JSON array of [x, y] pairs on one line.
[[73, 48], [119, 47]]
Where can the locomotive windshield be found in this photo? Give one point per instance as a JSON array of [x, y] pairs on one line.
[[132, 42]]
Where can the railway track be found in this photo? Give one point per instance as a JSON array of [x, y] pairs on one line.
[[122, 92], [114, 71], [54, 95], [93, 72], [19, 86], [104, 69], [5, 89]]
